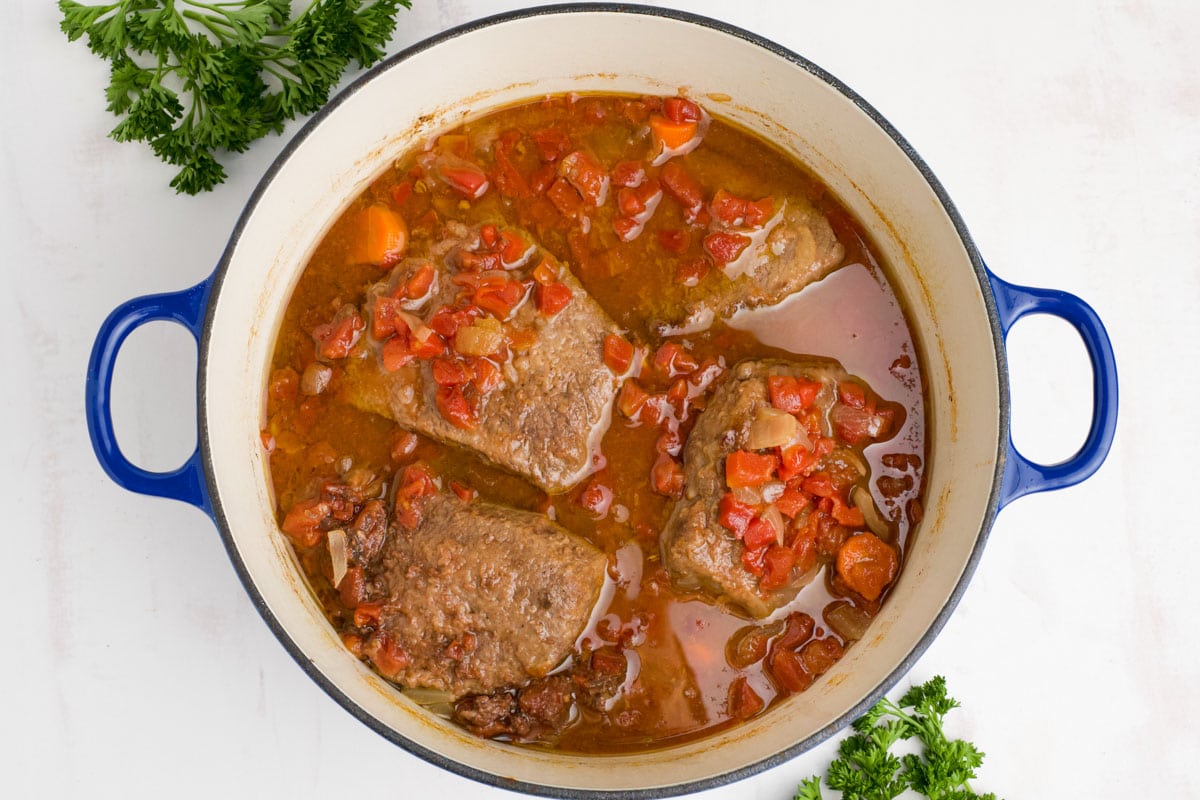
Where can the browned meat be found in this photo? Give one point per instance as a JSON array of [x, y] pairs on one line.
[[545, 420], [704, 554], [794, 249], [481, 596]]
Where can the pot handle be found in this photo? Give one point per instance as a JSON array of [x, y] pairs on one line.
[[1022, 476], [187, 308]]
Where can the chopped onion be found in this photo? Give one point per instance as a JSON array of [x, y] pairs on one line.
[[847, 621], [433, 700], [316, 378], [750, 495], [337, 554], [771, 428], [416, 328], [481, 338], [772, 491], [773, 516], [862, 499]]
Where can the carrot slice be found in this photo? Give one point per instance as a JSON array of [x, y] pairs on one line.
[[673, 135], [867, 564], [382, 237]]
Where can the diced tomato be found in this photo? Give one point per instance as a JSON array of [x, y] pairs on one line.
[[805, 545], [727, 207], [418, 285], [489, 235], [672, 360], [553, 297], [416, 482], [455, 408], [449, 372], [743, 468], [618, 353], [820, 485], [552, 143], [743, 701], [446, 321], [509, 180], [787, 670], [792, 501], [336, 339], [632, 399], [565, 198], [401, 192], [469, 262], [586, 174], [850, 516], [540, 179], [752, 560], [867, 564], [759, 211], [387, 655], [777, 567], [543, 273], [431, 346], [667, 476], [353, 588], [734, 514], [471, 182], [285, 385], [367, 614], [792, 394], [734, 210], [628, 202], [759, 534], [682, 186], [629, 173], [724, 248], [500, 300], [852, 394], [302, 523], [690, 273], [626, 228], [513, 247], [674, 240], [668, 441], [485, 375], [595, 497], [464, 492], [679, 109], [820, 654], [853, 425], [796, 461], [395, 353], [383, 317]]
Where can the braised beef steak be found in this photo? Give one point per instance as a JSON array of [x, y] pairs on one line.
[[481, 596]]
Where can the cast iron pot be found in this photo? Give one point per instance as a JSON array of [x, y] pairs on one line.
[[959, 310]]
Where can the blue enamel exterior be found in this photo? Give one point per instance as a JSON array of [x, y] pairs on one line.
[[1022, 476], [187, 308]]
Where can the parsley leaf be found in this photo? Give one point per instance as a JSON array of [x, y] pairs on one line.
[[866, 769], [195, 79]]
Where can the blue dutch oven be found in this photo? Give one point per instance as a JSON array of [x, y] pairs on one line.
[[960, 313]]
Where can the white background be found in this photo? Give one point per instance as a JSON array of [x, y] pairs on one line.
[[1068, 134]]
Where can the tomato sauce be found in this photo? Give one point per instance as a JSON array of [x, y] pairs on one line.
[[690, 662]]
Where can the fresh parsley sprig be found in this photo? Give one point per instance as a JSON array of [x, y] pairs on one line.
[[866, 769], [194, 78]]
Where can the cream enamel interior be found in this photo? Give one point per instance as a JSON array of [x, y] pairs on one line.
[[609, 51]]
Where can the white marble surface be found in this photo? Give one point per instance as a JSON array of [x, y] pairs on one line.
[[1068, 134]]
